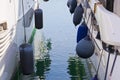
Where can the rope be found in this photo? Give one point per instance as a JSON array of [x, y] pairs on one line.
[[99, 62], [99, 49], [92, 31], [95, 43], [102, 52], [106, 71], [116, 53], [24, 21], [88, 18]]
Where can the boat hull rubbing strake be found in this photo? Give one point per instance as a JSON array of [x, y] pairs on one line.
[[85, 48], [26, 59], [72, 6], [82, 32], [78, 14], [38, 19]]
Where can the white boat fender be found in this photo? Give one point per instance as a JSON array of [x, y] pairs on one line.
[[73, 5], [26, 59], [78, 14], [38, 19], [82, 32], [85, 48]]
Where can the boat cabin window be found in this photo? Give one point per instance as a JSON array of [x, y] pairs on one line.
[[112, 5]]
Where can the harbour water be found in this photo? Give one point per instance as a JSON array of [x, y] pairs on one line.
[[61, 62], [58, 26]]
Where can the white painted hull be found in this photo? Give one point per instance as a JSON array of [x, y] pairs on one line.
[[13, 36]]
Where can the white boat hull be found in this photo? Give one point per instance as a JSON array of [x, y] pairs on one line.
[[11, 38]]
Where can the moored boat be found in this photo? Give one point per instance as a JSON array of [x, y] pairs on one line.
[[103, 18], [16, 21]]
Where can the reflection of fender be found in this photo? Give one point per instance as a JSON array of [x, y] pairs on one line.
[[108, 23]]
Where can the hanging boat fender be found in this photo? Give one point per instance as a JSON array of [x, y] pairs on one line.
[[82, 32], [78, 14], [26, 59], [85, 48], [95, 78], [45, 0], [73, 5], [68, 3], [38, 19]]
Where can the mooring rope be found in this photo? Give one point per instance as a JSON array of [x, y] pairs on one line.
[[24, 21], [106, 70], [113, 65]]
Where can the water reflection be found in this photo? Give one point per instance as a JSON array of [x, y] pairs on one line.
[[56, 64], [76, 68], [42, 66]]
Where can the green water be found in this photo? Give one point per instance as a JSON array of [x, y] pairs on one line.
[[75, 68], [43, 67]]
